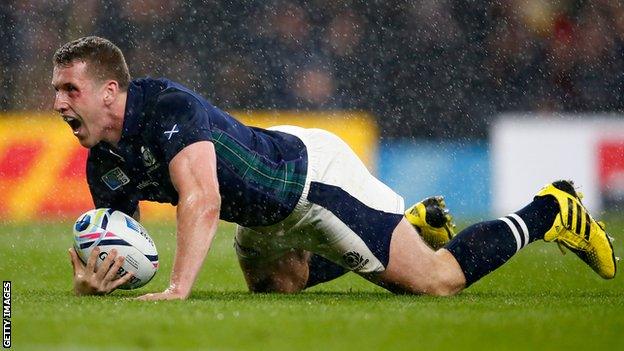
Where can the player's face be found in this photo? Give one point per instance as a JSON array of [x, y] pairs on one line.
[[80, 101]]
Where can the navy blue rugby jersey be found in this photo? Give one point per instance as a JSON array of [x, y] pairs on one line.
[[261, 173]]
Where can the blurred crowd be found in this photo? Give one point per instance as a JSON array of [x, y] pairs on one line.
[[424, 68]]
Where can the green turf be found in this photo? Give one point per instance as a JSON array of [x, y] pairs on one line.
[[540, 300]]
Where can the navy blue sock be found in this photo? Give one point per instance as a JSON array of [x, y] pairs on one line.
[[483, 247]]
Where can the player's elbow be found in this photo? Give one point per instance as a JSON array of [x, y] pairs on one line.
[[210, 208], [204, 205]]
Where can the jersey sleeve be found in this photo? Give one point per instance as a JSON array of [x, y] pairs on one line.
[[180, 120], [104, 197]]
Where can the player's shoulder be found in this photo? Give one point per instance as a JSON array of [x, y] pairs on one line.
[[171, 108], [159, 94], [168, 94]]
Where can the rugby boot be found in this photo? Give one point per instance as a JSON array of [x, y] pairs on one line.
[[433, 221], [575, 229]]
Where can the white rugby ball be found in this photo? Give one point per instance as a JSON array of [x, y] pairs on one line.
[[109, 229]]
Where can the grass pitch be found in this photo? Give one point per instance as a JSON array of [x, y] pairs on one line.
[[539, 300]]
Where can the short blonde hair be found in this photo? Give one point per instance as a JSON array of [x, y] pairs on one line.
[[104, 59]]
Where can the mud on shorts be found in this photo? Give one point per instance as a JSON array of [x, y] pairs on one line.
[[345, 215]]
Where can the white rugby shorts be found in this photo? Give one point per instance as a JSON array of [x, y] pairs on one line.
[[344, 214]]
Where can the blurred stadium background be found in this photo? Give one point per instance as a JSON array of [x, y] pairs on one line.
[[476, 100], [482, 101]]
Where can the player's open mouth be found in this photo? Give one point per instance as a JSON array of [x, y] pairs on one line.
[[74, 123]]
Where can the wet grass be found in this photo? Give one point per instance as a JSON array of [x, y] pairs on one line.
[[540, 300]]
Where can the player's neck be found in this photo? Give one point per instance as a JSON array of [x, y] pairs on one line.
[[115, 119]]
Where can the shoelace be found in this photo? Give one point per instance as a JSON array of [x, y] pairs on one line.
[[561, 243]]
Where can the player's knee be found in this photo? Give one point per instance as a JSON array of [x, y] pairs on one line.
[[445, 286], [445, 282], [435, 287], [447, 279], [438, 283], [286, 275]]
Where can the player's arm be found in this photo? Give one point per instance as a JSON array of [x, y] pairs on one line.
[[193, 173]]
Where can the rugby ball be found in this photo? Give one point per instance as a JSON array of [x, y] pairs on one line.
[[109, 229]]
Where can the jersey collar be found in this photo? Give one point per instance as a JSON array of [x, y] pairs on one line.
[[134, 108]]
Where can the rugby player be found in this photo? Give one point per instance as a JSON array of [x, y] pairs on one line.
[[306, 207]]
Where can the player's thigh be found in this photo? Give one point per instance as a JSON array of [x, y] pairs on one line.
[[269, 264], [413, 267], [353, 213]]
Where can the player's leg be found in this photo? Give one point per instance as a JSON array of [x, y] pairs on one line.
[[555, 214], [354, 214], [269, 263], [413, 267], [285, 274], [473, 253], [431, 219], [292, 272], [269, 267], [409, 264]]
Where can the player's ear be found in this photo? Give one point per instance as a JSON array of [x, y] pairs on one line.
[[111, 90]]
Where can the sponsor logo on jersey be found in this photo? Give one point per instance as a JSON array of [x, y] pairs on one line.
[[146, 183], [115, 178]]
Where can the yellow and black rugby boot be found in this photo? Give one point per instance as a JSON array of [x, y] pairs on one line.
[[575, 229], [433, 221]]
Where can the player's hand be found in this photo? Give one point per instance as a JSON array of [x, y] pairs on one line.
[[169, 294], [89, 280]]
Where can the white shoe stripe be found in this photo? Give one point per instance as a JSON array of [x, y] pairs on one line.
[[514, 231], [525, 229]]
